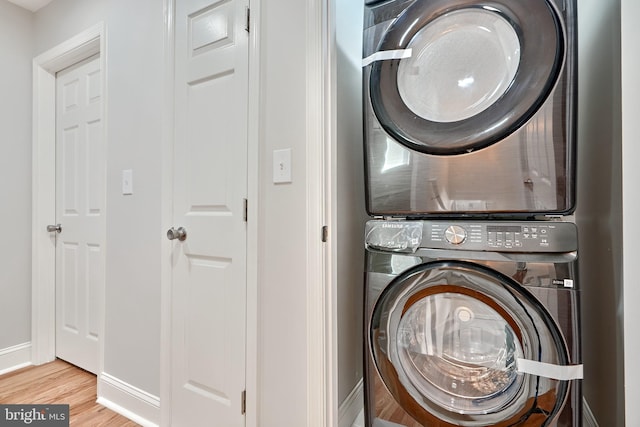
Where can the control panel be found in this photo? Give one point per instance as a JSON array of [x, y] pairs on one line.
[[501, 236]]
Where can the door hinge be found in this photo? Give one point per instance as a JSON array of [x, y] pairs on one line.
[[245, 214], [247, 25], [244, 402], [325, 233]]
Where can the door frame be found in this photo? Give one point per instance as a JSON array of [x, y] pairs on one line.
[[322, 356], [321, 329], [43, 264], [167, 144]]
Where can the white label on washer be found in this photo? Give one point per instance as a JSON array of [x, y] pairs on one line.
[[384, 55], [548, 370], [568, 283]]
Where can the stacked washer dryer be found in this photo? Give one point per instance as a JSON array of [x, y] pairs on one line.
[[472, 299]]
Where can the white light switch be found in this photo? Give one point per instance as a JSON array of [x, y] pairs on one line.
[[282, 166], [127, 182]]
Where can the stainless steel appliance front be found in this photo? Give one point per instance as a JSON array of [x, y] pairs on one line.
[[455, 313], [470, 107]]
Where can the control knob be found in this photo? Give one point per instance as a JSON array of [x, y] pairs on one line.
[[455, 234]]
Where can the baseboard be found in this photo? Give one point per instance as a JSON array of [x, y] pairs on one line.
[[588, 419], [352, 406], [128, 401], [15, 357]]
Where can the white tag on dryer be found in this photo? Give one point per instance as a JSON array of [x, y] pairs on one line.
[[548, 370], [384, 55]]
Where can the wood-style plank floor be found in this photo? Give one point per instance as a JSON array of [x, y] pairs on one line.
[[60, 382]]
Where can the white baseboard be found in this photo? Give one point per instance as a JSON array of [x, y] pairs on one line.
[[15, 357], [128, 401], [588, 419], [351, 407]]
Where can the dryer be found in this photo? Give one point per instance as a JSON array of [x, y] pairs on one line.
[[472, 323], [470, 107]]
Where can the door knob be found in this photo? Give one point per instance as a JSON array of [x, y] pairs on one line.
[[57, 228], [180, 233]]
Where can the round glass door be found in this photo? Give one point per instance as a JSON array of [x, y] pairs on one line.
[[446, 338], [452, 344], [476, 73], [463, 62]]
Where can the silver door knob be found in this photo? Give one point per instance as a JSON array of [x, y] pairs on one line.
[[57, 228], [180, 233]]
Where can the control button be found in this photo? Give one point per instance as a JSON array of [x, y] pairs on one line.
[[455, 234]]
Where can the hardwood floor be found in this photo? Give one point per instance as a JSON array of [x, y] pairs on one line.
[[60, 382]]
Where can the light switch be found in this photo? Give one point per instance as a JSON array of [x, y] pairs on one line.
[[282, 166], [127, 182]]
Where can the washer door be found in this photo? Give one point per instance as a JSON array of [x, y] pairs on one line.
[[478, 71], [447, 337]]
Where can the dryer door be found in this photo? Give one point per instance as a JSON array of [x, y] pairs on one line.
[[451, 341], [477, 71]]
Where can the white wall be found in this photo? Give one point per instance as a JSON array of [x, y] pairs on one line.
[[282, 304], [63, 19], [349, 189], [16, 42], [599, 207], [134, 97], [631, 206]]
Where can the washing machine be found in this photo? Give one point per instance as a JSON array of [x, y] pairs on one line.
[[470, 107], [472, 323]]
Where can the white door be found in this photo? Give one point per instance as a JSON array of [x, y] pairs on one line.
[[80, 194], [210, 184]]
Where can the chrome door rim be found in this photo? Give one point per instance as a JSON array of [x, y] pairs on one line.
[[542, 40]]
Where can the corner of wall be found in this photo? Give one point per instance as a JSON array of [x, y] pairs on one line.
[[128, 400], [15, 357]]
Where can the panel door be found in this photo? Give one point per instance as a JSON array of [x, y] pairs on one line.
[[80, 194], [210, 185]]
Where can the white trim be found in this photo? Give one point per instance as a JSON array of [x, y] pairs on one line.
[[352, 406], [253, 184], [45, 66], [15, 357], [588, 418], [321, 401], [167, 214], [359, 422], [626, 309], [129, 401], [331, 210]]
